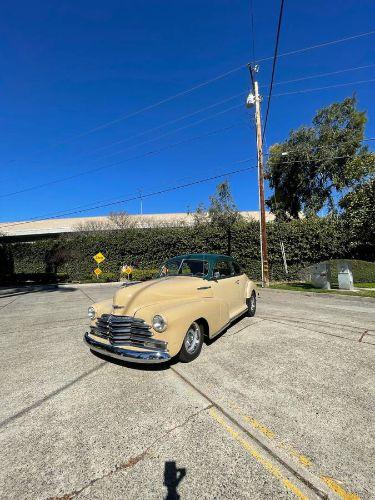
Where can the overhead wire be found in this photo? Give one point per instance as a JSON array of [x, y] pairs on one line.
[[146, 195], [56, 215], [194, 88], [119, 162], [149, 153], [252, 28], [303, 91], [273, 65], [205, 108], [167, 123], [319, 45], [321, 75]]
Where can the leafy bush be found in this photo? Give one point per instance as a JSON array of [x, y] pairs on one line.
[[306, 241], [6, 262], [144, 274]]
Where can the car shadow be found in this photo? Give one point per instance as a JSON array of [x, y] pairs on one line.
[[152, 367]]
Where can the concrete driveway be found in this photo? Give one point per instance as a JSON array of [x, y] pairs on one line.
[[281, 405]]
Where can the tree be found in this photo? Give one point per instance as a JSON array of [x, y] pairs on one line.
[[318, 162], [359, 213], [121, 220], [223, 211], [200, 215]]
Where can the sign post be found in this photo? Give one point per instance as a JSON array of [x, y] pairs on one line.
[[127, 270], [99, 257]]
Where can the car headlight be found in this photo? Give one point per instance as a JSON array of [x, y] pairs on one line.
[[91, 313], [159, 323]]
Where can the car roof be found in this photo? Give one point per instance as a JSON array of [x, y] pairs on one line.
[[211, 257]]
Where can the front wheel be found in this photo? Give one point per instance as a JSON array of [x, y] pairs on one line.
[[192, 344], [251, 305]]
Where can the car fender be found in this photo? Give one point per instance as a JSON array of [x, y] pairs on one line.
[[103, 307], [251, 287], [180, 316]]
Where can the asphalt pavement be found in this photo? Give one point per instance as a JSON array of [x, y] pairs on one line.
[[279, 406]]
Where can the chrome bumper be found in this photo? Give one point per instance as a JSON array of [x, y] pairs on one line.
[[126, 354]]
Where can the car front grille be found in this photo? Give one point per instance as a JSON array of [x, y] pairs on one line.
[[126, 331]]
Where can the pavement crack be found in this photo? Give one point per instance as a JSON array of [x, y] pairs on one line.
[[250, 325], [8, 303], [132, 461], [287, 322], [51, 395], [86, 295], [363, 334]]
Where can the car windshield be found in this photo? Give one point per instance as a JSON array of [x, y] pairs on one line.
[[184, 267]]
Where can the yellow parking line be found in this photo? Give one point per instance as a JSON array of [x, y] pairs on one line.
[[303, 459], [338, 489], [275, 471], [257, 425]]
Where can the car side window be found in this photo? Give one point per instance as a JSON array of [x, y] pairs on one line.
[[237, 269], [222, 269]]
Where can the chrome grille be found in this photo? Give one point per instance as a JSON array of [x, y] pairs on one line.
[[126, 331]]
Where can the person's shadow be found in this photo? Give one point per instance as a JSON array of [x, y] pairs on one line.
[[172, 478]]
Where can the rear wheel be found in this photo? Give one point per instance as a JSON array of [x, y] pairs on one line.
[[252, 305], [192, 344]]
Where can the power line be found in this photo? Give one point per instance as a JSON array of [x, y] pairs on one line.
[[180, 179], [136, 197], [169, 122], [174, 131], [200, 110], [320, 75], [149, 153], [205, 108], [303, 91], [252, 28], [146, 108], [73, 212], [133, 158], [274, 65], [196, 87], [319, 45]]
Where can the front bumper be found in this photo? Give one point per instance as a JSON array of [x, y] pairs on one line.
[[126, 354]]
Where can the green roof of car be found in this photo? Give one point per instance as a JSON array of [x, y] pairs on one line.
[[210, 257]]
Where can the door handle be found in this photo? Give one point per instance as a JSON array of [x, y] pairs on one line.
[[238, 282]]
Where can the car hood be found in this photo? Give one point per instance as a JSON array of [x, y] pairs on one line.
[[127, 300]]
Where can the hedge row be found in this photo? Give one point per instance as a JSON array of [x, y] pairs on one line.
[[305, 242]]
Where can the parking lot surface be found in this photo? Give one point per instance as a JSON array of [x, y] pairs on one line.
[[279, 406]]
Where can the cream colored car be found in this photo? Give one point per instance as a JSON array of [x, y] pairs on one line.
[[195, 296]]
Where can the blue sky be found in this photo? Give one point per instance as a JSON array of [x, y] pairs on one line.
[[69, 67]]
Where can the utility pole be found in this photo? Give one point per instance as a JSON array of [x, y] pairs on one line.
[[254, 99], [141, 200]]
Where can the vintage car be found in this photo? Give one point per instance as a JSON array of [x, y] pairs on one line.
[[194, 296]]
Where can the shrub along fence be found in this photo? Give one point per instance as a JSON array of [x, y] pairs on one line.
[[306, 241]]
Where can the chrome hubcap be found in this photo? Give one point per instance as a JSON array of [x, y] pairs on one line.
[[252, 303], [192, 338]]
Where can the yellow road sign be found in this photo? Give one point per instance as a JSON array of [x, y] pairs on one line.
[[99, 257], [98, 271], [127, 270]]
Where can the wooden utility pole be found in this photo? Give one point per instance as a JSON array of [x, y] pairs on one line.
[[258, 125]]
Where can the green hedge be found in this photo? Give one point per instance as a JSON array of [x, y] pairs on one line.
[[305, 242], [6, 262]]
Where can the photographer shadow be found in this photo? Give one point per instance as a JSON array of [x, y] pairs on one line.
[[172, 478]]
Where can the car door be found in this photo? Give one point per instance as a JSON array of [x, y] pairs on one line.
[[225, 287], [241, 281]]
